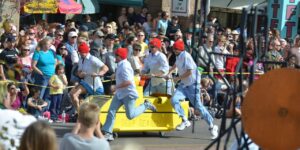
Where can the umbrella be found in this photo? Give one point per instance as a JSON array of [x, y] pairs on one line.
[[69, 7], [52, 7]]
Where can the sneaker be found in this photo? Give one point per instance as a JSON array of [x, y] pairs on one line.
[[108, 136], [183, 125], [150, 106], [214, 132]]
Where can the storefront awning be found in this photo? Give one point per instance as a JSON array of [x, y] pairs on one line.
[[123, 2], [89, 6], [52, 7], [41, 7]]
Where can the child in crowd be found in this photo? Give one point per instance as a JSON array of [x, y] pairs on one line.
[[57, 84], [36, 106]]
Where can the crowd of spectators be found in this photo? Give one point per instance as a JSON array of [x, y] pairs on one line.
[[49, 63]]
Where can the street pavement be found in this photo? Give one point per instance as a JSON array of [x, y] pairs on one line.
[[174, 140]]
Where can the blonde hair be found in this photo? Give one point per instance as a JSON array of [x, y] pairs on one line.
[[88, 114], [205, 82], [44, 41], [37, 136]]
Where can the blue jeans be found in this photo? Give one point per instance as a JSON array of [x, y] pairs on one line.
[[42, 81], [35, 112], [131, 111], [55, 105], [90, 90], [162, 88], [194, 96]]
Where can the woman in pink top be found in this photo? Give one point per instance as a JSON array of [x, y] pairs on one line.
[[24, 62], [24, 58], [15, 97]]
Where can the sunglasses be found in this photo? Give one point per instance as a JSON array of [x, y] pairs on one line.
[[137, 49], [26, 49], [141, 35], [31, 33], [59, 34], [63, 48], [73, 37]]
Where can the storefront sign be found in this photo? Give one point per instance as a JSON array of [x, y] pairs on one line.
[[180, 7], [283, 15]]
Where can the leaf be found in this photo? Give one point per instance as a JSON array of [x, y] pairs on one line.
[[4, 128], [12, 142]]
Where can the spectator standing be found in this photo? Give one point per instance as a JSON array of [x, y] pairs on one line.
[[32, 40], [25, 61], [61, 53], [220, 59], [274, 55], [131, 16], [83, 134], [109, 58], [148, 24], [43, 64], [156, 20], [89, 23], [141, 40], [123, 17], [9, 56], [163, 23], [71, 60], [295, 52], [59, 36], [135, 60], [204, 62], [130, 42], [173, 27], [141, 18], [57, 83]]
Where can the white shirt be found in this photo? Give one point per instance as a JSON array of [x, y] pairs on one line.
[[204, 55], [185, 62], [154, 64], [135, 62], [125, 73], [296, 53], [74, 57], [219, 59], [90, 65]]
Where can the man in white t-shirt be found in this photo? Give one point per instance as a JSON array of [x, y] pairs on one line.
[[189, 87]]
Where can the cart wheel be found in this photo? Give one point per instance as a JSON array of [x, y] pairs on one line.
[[115, 135], [162, 134]]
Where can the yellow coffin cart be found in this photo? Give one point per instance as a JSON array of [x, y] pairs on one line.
[[165, 119]]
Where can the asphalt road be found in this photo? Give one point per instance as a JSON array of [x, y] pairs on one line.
[[174, 140]]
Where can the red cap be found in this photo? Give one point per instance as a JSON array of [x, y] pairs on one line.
[[83, 48], [156, 42], [178, 45], [122, 52]]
